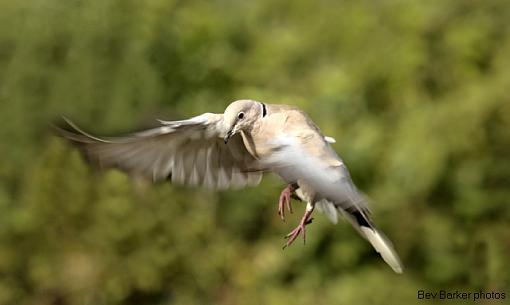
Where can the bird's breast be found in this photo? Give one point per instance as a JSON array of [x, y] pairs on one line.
[[261, 144]]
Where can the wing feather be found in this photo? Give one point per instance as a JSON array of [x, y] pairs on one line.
[[185, 152]]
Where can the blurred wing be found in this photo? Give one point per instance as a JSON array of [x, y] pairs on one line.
[[188, 152]]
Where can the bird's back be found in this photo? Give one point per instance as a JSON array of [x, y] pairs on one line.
[[292, 145]]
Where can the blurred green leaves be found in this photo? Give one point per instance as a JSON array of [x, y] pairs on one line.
[[415, 94]]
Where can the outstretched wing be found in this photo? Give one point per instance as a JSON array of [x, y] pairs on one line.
[[188, 152]]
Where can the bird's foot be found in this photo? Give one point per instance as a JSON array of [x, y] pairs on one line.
[[300, 229], [285, 200]]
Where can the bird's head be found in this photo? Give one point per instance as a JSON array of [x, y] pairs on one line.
[[240, 116]]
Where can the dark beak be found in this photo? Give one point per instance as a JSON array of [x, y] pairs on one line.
[[230, 133]]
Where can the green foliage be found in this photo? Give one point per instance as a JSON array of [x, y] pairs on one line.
[[415, 92]]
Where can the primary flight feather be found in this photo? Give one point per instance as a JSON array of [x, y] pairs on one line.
[[233, 150]]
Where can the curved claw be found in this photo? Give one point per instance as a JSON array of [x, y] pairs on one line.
[[292, 236]]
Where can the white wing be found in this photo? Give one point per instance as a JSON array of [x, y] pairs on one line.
[[188, 152], [330, 140], [319, 168]]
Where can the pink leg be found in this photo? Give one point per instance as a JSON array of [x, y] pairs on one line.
[[307, 219], [285, 198]]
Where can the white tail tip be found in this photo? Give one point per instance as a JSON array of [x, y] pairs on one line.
[[384, 247]]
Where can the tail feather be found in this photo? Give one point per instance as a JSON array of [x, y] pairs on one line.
[[384, 247], [360, 220], [379, 241]]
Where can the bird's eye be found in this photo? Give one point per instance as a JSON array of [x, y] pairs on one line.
[[240, 115]]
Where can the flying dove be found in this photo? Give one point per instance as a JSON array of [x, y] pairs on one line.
[[233, 150]]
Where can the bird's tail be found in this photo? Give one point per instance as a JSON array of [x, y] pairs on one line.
[[360, 220], [378, 240]]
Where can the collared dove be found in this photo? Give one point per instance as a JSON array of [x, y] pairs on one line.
[[233, 150]]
